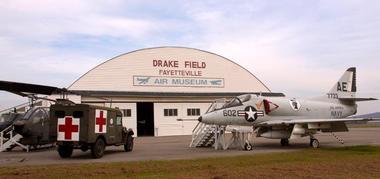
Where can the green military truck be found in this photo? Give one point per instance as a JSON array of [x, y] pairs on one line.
[[83, 126]]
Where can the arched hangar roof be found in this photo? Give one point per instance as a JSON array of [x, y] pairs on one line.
[[169, 70]]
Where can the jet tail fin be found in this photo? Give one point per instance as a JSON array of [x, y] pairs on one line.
[[346, 86]]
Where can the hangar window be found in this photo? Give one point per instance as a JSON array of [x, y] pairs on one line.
[[127, 112], [193, 112], [170, 112]]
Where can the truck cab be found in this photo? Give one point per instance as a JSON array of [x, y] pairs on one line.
[[88, 127]]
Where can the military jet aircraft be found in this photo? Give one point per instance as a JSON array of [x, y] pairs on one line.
[[288, 118]]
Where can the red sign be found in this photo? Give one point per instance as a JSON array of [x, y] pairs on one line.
[[68, 128], [101, 121]]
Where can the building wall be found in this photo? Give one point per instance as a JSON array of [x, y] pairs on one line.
[[170, 125]]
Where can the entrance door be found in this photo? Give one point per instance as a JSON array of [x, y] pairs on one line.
[[145, 123]]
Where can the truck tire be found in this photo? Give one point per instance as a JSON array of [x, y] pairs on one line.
[[65, 151], [97, 149], [128, 146]]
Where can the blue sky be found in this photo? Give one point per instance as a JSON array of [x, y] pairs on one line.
[[297, 47]]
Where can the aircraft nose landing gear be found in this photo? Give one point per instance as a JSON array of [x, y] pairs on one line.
[[248, 146]]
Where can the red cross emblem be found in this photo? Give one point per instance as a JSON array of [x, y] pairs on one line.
[[68, 128], [101, 121]]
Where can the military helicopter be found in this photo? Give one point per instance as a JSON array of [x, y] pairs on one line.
[[289, 118], [29, 124]]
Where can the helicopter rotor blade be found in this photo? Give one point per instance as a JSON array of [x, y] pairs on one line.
[[22, 88]]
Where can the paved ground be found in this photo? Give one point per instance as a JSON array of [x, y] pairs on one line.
[[176, 147]]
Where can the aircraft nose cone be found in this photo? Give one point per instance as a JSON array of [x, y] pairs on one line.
[[200, 119]]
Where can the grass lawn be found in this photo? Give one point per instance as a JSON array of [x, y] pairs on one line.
[[343, 162]]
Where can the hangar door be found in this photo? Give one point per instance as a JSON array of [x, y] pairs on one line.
[[145, 115]]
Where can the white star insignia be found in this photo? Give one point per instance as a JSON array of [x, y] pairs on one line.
[[251, 114]]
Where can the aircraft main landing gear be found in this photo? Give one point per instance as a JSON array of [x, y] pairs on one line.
[[314, 143], [284, 142]]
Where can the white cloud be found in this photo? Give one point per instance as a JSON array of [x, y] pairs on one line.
[[46, 21], [24, 60]]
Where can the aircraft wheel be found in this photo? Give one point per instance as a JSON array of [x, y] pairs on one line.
[[248, 146], [128, 146], [284, 142], [65, 151], [314, 143], [97, 149]]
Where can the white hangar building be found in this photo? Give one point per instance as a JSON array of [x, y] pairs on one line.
[[163, 90]]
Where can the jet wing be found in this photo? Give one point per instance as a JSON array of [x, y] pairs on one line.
[[305, 121], [357, 99], [300, 126]]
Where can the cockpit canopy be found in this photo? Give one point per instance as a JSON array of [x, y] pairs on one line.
[[36, 114], [237, 101]]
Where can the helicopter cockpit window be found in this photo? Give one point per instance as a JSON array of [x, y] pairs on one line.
[[59, 114], [78, 114], [37, 116], [29, 113], [232, 103]]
